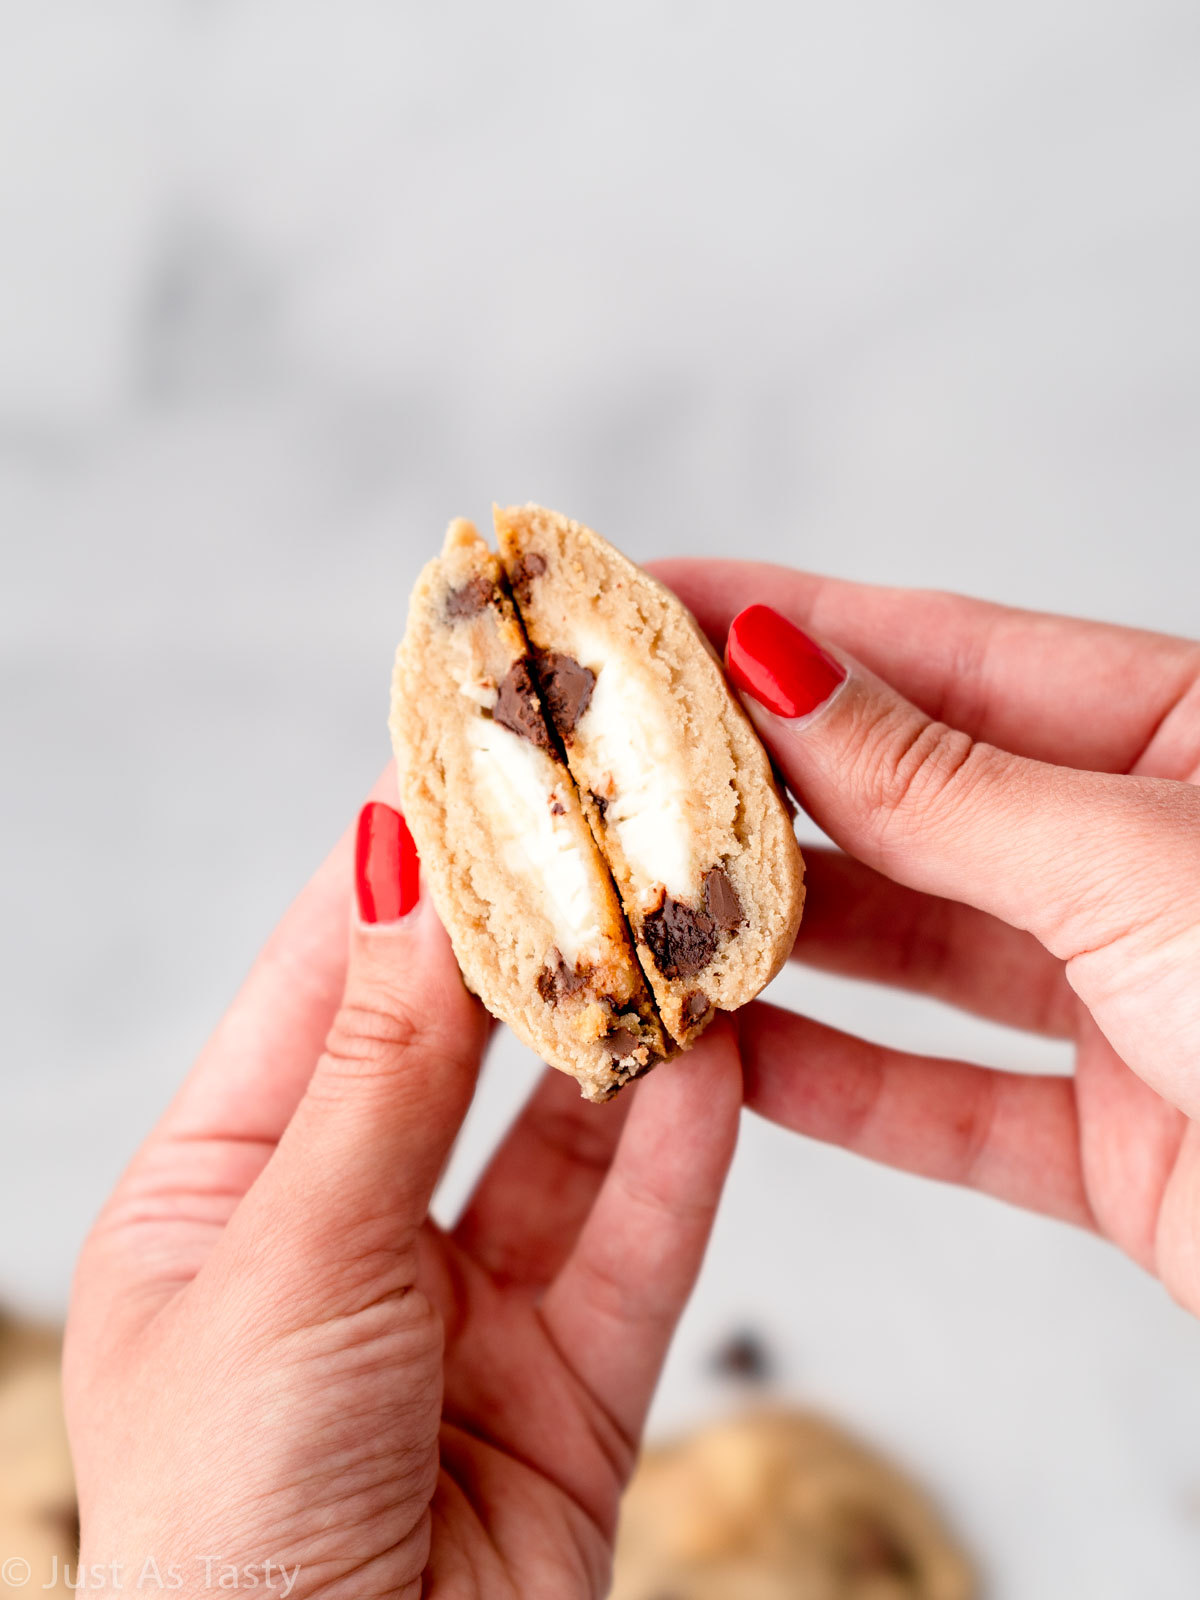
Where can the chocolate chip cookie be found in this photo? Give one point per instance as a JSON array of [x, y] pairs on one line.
[[674, 782], [781, 1506], [511, 862], [595, 815]]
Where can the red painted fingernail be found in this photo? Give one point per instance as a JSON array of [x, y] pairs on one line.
[[781, 667], [387, 869]]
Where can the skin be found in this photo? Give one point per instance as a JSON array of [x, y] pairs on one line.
[[273, 1352], [1020, 819]]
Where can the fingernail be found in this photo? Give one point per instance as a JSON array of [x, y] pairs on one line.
[[784, 670], [387, 869]]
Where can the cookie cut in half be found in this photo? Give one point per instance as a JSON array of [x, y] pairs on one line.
[[673, 779], [597, 820], [514, 870]]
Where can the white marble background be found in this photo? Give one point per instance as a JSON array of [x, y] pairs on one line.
[[906, 292]]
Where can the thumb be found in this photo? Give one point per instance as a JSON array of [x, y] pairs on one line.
[[1084, 860], [339, 1206]]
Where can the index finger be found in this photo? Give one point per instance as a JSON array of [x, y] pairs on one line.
[[1081, 694], [251, 1074]]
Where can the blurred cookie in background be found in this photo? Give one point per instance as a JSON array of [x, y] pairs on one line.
[[781, 1505], [38, 1521]]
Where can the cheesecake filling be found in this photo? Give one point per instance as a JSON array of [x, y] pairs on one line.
[[631, 742], [542, 836]]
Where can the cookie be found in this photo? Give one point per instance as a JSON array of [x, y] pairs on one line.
[[673, 779], [511, 862], [596, 817], [38, 1522], [780, 1506]]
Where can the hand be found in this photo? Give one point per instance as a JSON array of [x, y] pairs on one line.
[[274, 1355], [1022, 838]]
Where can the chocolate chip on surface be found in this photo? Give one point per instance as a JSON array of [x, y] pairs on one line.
[[474, 596], [721, 901], [567, 687], [519, 709], [600, 803], [743, 1355], [527, 568], [695, 1005], [682, 939], [557, 980]]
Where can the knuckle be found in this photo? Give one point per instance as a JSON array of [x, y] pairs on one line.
[[582, 1142], [912, 770], [369, 1038], [972, 1130]]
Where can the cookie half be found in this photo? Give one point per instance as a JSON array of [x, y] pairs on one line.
[[512, 864], [776, 1505], [672, 777]]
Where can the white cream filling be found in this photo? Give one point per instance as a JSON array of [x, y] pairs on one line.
[[518, 783], [630, 740], [482, 691]]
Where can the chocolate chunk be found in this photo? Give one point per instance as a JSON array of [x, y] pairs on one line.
[[695, 1005], [471, 599], [567, 687], [682, 939], [557, 980], [600, 803], [556, 806], [622, 1042], [743, 1355], [872, 1549], [527, 568], [63, 1520], [518, 707], [721, 901]]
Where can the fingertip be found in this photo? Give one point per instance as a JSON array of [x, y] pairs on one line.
[[387, 867], [779, 667], [696, 1095]]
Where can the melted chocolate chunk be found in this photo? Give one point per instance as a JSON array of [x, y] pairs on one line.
[[555, 982], [622, 1042], [471, 599], [721, 901], [872, 1549], [519, 709], [682, 939], [64, 1521], [526, 569], [695, 1005], [556, 807], [567, 687], [600, 803]]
